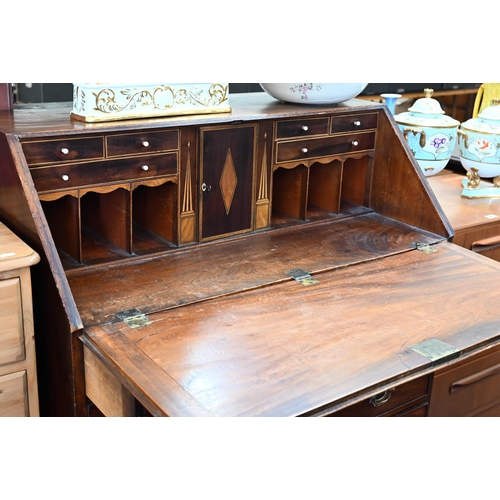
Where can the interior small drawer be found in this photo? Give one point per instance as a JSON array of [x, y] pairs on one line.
[[402, 397], [351, 123], [54, 151], [100, 172], [302, 128], [11, 322], [142, 143], [14, 395], [321, 147]]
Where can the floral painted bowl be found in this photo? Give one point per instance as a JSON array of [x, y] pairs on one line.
[[479, 142], [431, 135], [313, 93]]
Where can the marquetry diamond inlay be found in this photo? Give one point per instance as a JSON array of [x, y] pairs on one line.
[[228, 181]]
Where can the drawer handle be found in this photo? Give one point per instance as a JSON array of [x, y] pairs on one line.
[[206, 187], [485, 244], [64, 151], [65, 177], [357, 123], [355, 143], [145, 144], [304, 150], [380, 399], [473, 379], [145, 168], [305, 128]]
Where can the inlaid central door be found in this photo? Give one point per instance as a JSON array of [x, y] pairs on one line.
[[227, 166]]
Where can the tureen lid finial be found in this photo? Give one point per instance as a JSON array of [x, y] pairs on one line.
[[427, 105], [492, 112]]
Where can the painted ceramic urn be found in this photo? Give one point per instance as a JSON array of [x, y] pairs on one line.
[[430, 134], [479, 142]]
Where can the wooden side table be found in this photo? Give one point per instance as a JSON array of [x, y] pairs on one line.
[[476, 222], [18, 379]]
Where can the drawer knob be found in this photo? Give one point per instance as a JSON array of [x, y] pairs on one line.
[[357, 123], [145, 144], [304, 150], [64, 151], [355, 143], [145, 168], [65, 177], [305, 128]]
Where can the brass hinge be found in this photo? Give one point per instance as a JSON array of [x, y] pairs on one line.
[[302, 277], [436, 350], [133, 318], [423, 247]]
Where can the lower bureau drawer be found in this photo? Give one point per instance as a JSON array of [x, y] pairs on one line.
[[328, 146], [469, 388], [83, 174], [399, 400], [14, 395]]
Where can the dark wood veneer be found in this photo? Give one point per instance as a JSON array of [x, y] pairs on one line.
[[53, 151], [143, 142], [103, 172]]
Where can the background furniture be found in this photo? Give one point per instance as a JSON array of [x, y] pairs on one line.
[[6, 97], [18, 378], [476, 222], [457, 100], [471, 388]]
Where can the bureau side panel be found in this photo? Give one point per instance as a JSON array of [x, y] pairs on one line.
[[399, 188], [55, 313]]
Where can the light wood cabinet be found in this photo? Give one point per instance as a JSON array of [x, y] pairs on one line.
[[18, 379]]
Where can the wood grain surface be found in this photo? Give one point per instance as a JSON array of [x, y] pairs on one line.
[[235, 265], [290, 350]]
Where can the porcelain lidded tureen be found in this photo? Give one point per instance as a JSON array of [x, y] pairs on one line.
[[430, 134], [479, 143]]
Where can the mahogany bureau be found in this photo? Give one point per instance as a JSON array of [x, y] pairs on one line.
[[275, 260]]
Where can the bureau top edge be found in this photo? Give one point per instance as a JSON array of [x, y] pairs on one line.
[[46, 120]]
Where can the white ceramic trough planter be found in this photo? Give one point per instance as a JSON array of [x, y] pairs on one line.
[[97, 102]]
